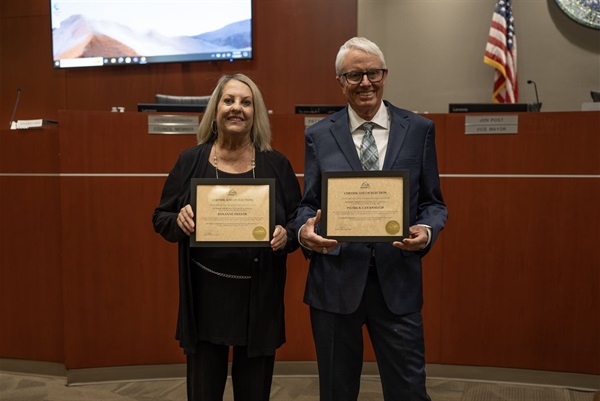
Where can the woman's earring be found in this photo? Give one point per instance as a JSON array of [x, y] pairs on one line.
[[213, 127]]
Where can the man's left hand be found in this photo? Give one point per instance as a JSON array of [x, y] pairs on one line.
[[416, 241]]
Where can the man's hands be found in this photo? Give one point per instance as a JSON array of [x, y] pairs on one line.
[[417, 240], [311, 240]]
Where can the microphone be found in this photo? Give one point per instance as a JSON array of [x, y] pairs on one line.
[[538, 105], [15, 108]]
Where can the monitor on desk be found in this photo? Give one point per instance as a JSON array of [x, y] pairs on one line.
[[493, 107], [171, 108], [317, 108]]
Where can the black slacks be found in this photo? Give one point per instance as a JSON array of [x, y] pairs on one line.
[[207, 374], [397, 341]]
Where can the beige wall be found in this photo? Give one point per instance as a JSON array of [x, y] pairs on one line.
[[434, 50]]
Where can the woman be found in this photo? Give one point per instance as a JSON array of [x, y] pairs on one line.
[[230, 296]]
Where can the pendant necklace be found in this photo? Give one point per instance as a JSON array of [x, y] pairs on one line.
[[216, 162]]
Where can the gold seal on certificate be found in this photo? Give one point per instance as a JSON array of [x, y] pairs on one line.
[[232, 212], [365, 206], [259, 233], [392, 227]]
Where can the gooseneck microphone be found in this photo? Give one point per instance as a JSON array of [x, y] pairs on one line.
[[534, 106], [537, 99], [15, 108]]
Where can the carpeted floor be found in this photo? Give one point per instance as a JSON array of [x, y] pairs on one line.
[[21, 387]]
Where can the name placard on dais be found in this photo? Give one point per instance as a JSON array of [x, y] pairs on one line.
[[173, 124], [506, 124]]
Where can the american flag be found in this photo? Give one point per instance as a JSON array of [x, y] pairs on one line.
[[501, 53]]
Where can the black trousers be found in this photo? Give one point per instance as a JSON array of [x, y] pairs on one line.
[[397, 341], [207, 374]]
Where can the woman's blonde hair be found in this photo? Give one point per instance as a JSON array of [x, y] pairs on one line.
[[261, 128]]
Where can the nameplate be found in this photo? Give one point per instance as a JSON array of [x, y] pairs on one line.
[[317, 108], [308, 121], [32, 124], [173, 124], [590, 106], [493, 125]]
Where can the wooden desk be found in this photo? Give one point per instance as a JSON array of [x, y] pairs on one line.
[[513, 280]]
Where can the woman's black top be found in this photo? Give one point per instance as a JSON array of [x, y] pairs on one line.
[[223, 298], [265, 329]]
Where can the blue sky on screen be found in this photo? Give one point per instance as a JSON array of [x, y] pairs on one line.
[[168, 17]]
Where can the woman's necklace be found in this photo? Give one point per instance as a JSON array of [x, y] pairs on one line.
[[252, 162]]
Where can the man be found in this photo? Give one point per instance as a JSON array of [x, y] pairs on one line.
[[377, 284]]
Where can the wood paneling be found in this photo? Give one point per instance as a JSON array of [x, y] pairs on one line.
[[520, 285], [287, 70], [520, 254], [288, 138], [553, 143], [31, 323], [513, 280], [104, 142], [120, 278], [25, 51], [299, 345]]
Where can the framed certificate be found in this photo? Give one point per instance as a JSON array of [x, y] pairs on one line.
[[233, 212], [365, 206]]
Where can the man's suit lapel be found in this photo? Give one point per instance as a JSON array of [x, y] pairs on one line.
[[340, 130], [399, 128]]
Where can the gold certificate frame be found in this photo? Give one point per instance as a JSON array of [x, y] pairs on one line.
[[365, 206], [233, 212]]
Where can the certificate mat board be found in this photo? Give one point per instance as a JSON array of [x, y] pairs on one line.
[[233, 212], [365, 206]]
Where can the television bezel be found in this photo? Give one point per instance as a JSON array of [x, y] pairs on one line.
[[96, 62]]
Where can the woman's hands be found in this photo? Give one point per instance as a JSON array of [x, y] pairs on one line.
[[185, 219], [279, 238]]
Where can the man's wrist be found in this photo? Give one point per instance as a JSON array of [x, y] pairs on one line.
[[428, 228], [300, 236]]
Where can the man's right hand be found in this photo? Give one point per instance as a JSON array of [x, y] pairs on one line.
[[310, 239]]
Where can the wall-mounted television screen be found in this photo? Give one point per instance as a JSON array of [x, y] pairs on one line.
[[96, 33]]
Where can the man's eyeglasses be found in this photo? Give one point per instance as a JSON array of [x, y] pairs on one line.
[[356, 77]]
